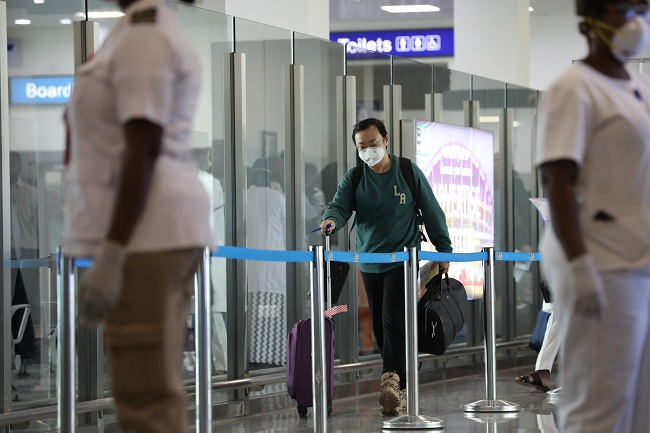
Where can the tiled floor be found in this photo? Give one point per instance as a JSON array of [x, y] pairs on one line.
[[442, 400]]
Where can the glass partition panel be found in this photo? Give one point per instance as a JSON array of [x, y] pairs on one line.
[[644, 66], [106, 13], [40, 68], [635, 64], [267, 53], [416, 80], [373, 73], [211, 34], [522, 102], [455, 89], [490, 97], [323, 61]]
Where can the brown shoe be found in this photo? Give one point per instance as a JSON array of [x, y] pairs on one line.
[[389, 397]]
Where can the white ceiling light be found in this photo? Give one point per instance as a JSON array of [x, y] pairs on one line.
[[530, 8], [405, 9], [489, 119], [65, 21], [98, 15], [22, 22], [39, 2]]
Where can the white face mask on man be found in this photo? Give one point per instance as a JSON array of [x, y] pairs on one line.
[[372, 155]]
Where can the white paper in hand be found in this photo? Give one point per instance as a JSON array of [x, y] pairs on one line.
[[542, 206]]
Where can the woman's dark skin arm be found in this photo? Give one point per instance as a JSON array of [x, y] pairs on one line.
[[559, 179], [143, 144]]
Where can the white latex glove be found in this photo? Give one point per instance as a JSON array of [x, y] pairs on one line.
[[590, 299], [100, 286]]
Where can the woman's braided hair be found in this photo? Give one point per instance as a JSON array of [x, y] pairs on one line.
[[589, 8]]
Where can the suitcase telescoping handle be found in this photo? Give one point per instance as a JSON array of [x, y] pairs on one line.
[[328, 286], [328, 274]]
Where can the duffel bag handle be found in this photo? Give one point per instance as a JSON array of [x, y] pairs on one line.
[[444, 277]]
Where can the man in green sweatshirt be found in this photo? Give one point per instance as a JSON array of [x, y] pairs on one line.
[[386, 223]]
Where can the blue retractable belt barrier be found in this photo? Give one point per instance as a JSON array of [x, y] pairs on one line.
[[453, 257], [344, 256], [330, 255], [30, 263], [83, 262], [518, 257], [263, 255]]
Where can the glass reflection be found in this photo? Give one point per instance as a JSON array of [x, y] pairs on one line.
[[523, 103], [268, 54], [40, 67]]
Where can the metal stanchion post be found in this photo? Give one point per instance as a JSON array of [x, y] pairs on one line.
[[202, 326], [65, 372], [490, 404], [318, 365], [412, 421]]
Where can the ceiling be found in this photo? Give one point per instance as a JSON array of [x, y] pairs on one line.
[[49, 12], [344, 14], [367, 14]]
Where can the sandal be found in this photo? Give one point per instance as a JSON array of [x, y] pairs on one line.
[[532, 379]]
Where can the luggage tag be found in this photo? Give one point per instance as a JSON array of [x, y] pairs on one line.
[[336, 310]]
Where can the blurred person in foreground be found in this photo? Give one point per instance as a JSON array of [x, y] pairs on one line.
[[594, 156], [135, 204]]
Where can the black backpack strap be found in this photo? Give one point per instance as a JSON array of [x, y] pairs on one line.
[[357, 174], [409, 177]]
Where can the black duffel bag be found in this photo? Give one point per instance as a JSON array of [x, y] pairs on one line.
[[441, 314]]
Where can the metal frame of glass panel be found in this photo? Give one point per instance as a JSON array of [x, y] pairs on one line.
[[5, 239]]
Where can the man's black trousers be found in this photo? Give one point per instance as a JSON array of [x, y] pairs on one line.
[[385, 292]]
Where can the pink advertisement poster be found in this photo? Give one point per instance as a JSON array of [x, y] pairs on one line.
[[459, 164]]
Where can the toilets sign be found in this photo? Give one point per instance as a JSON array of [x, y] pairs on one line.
[[40, 90], [403, 43]]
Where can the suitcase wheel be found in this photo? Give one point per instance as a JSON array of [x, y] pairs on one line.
[[302, 411]]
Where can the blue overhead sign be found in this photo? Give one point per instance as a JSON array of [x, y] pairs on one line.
[[403, 43], [40, 90]]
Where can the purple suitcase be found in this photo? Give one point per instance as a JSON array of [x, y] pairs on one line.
[[299, 364]]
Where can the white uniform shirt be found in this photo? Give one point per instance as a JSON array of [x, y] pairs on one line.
[[266, 230], [145, 69], [603, 124]]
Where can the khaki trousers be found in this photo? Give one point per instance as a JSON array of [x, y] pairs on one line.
[[145, 338]]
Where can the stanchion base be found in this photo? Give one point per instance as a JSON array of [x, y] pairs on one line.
[[492, 417], [554, 394], [409, 422], [491, 406]]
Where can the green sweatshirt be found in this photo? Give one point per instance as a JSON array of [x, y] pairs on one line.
[[386, 215]]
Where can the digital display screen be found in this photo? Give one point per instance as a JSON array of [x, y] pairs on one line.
[[458, 162]]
